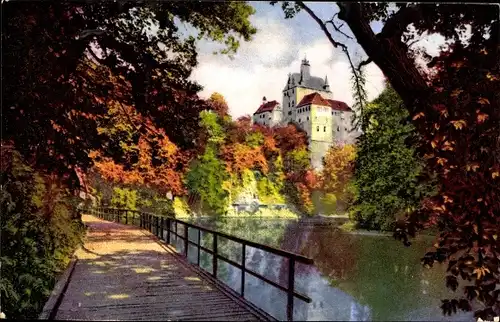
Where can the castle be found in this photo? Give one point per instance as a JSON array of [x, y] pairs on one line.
[[308, 102]]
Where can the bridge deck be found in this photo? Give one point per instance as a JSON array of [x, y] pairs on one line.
[[123, 273]]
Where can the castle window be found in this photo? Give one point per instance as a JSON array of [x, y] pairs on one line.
[[317, 128], [308, 118], [290, 113], [338, 128], [300, 121], [324, 128]]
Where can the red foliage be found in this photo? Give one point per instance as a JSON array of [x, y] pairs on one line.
[[289, 138]]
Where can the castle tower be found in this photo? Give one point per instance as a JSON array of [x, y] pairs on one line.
[[326, 87], [305, 71]]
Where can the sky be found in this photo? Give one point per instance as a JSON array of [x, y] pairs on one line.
[[261, 67]]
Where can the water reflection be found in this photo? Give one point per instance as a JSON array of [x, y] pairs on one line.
[[356, 277]]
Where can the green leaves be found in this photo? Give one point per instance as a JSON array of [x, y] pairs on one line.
[[387, 170], [36, 218]]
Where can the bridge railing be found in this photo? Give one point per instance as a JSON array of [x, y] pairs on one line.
[[161, 225]]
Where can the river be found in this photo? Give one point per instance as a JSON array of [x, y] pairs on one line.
[[356, 277]]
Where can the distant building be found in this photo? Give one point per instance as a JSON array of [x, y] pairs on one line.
[[308, 102], [269, 113]]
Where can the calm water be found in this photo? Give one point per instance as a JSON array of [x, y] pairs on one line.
[[356, 277]]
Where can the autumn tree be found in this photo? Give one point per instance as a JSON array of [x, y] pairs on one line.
[[138, 42], [454, 105], [390, 180], [64, 66], [336, 176], [219, 104], [289, 138]]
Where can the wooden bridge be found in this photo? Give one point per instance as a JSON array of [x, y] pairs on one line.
[[128, 269]]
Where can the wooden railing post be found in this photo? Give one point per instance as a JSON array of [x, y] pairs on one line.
[[162, 223], [186, 240], [126, 217], [157, 222], [168, 230], [291, 287], [243, 260], [214, 256], [199, 247]]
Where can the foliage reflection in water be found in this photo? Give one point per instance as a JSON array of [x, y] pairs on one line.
[[356, 276]]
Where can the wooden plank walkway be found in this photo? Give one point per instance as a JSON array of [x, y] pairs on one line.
[[123, 273]]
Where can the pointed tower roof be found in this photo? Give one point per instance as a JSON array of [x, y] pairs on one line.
[[326, 86], [305, 61]]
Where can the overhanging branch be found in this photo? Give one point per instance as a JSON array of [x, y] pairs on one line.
[[321, 25], [355, 72], [337, 28], [363, 63]]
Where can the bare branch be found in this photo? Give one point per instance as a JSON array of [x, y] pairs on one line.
[[337, 28], [321, 25], [355, 72], [363, 63]]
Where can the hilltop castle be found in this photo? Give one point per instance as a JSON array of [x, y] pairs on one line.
[[308, 102]]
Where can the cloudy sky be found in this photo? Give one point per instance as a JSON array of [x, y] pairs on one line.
[[261, 66]]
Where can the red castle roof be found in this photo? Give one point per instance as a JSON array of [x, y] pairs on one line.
[[316, 98], [339, 105], [266, 107]]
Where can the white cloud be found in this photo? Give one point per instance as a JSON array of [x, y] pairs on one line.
[[261, 68]]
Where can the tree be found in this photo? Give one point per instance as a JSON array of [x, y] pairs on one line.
[[139, 43], [454, 106], [289, 138], [337, 173], [40, 232], [390, 180], [219, 104], [207, 174]]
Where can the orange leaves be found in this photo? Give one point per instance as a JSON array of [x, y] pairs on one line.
[[481, 117], [495, 172], [483, 101], [418, 115], [458, 64], [240, 157], [441, 161], [338, 167], [472, 166], [480, 272], [456, 93], [447, 146], [439, 208], [441, 108], [491, 77], [459, 124], [447, 199]]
